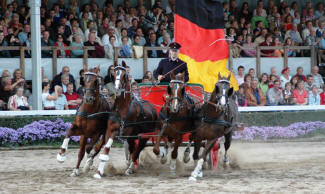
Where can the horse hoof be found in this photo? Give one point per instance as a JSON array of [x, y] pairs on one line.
[[128, 172], [97, 176], [74, 173], [88, 164], [163, 160], [60, 158], [191, 178], [186, 157]]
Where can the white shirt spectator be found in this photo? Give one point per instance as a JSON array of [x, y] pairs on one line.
[[46, 102]]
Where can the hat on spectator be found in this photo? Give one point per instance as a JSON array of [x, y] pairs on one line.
[[174, 46], [284, 70]]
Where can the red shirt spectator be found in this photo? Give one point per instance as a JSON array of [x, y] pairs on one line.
[[73, 98], [268, 42], [322, 98]]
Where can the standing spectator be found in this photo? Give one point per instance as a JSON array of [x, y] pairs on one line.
[[60, 52], [61, 102], [74, 100], [255, 96], [240, 76], [287, 95], [18, 101], [300, 94], [77, 42], [322, 96], [45, 41], [318, 80], [99, 51], [314, 97], [300, 74], [47, 99], [126, 50], [263, 83], [274, 95], [152, 43], [285, 77]]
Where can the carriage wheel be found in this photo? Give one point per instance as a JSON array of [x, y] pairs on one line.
[[213, 156]]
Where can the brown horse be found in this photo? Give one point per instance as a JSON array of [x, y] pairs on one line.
[[178, 115], [219, 117], [132, 117], [85, 126]]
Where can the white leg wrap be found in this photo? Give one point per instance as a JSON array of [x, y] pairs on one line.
[[88, 164], [65, 143], [172, 165], [75, 173], [198, 168], [130, 169], [101, 167], [163, 152], [109, 143], [103, 157], [91, 154]]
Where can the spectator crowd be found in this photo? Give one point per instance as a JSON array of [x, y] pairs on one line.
[[131, 28]]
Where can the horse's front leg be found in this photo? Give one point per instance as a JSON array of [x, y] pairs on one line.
[[172, 166], [91, 153], [109, 137], [135, 155], [61, 157], [83, 141]]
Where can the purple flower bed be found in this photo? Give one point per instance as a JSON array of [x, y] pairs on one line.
[[38, 131], [294, 130]]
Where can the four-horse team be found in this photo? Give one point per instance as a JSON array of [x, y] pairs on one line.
[[128, 117]]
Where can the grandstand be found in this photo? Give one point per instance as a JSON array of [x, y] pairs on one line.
[[268, 36]]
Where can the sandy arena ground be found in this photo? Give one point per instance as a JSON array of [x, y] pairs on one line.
[[288, 167]]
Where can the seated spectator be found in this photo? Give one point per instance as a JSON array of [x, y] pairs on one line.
[[3, 42], [263, 83], [57, 80], [48, 100], [278, 34], [294, 35], [268, 42], [109, 49], [18, 78], [77, 42], [321, 46], [300, 74], [251, 72], [73, 98], [321, 29], [150, 76], [18, 101], [300, 94], [128, 70], [132, 30], [247, 82], [308, 30], [314, 97], [152, 43], [287, 95], [126, 50], [45, 41], [90, 27], [61, 102], [64, 82], [260, 36], [272, 80], [13, 41], [135, 91], [109, 77], [145, 80], [318, 80], [319, 10], [294, 80], [259, 17], [124, 34], [249, 47], [7, 88], [59, 43], [322, 96], [309, 83], [23, 35], [99, 51], [76, 31], [80, 79], [165, 44], [240, 76], [255, 96], [84, 21], [278, 52], [274, 95], [285, 77], [241, 97]]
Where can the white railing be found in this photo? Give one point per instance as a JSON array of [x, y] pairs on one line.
[[241, 109]]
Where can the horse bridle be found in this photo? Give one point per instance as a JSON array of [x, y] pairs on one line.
[[224, 82], [126, 76], [94, 90], [181, 103]]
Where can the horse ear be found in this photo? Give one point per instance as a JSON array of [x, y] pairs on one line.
[[219, 77], [228, 78], [230, 91], [97, 69], [124, 64], [172, 75]]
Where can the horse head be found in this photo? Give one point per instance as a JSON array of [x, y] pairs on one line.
[[176, 91], [222, 91], [91, 84], [120, 77]]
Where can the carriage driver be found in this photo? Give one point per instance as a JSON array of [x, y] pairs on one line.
[[170, 63]]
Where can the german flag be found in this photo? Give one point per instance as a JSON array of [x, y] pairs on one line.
[[199, 29]]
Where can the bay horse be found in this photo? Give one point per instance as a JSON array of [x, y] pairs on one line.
[[219, 116], [85, 126], [132, 117], [178, 116]]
